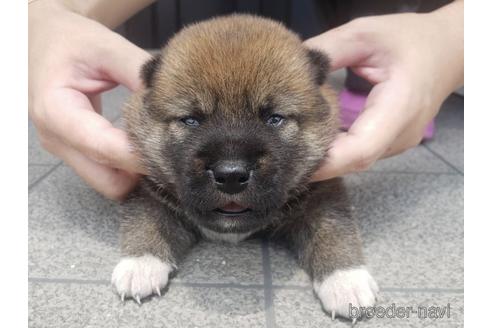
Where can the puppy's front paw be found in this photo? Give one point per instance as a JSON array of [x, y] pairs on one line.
[[140, 277], [344, 287]]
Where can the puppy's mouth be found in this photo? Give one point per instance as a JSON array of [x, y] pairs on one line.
[[232, 209]]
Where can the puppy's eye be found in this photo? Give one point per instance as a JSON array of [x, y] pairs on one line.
[[275, 120], [190, 121]]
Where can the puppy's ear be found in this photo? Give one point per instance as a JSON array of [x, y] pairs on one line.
[[320, 65], [147, 73]]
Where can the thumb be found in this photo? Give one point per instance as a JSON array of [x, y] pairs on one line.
[[343, 45], [122, 62], [385, 115]]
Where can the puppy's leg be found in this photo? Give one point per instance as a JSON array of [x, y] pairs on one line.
[[329, 248], [153, 240]]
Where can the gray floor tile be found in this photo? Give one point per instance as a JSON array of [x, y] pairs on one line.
[[449, 139], [418, 159], [113, 101], [72, 230], [72, 305], [412, 227], [37, 171], [223, 263], [285, 270], [37, 155], [300, 308], [73, 233]]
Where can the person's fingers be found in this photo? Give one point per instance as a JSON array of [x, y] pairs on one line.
[[71, 118], [383, 119], [332, 164], [400, 146], [112, 183], [411, 137], [123, 65], [343, 46]]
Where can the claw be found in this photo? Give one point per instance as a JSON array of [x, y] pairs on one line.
[[158, 291], [123, 297], [137, 298], [333, 315]]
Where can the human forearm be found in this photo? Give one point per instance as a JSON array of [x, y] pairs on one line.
[[451, 19], [110, 13]]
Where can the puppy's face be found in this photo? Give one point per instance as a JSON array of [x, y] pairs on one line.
[[233, 120]]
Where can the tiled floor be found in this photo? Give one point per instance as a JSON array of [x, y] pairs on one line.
[[410, 210]]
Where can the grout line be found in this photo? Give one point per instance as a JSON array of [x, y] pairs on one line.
[[291, 287], [68, 281], [242, 286], [175, 283], [41, 178], [443, 159], [41, 164], [267, 276], [216, 285]]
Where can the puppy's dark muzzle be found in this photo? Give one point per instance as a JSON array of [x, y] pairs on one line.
[[231, 177]]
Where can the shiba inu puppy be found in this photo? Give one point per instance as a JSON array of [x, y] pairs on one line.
[[235, 118]]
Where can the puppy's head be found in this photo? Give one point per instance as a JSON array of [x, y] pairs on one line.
[[234, 119]]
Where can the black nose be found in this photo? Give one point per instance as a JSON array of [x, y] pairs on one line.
[[231, 177]]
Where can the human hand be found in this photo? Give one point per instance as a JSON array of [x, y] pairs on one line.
[[72, 59], [414, 62]]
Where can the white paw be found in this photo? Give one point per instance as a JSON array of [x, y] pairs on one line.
[[139, 277], [344, 287]]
